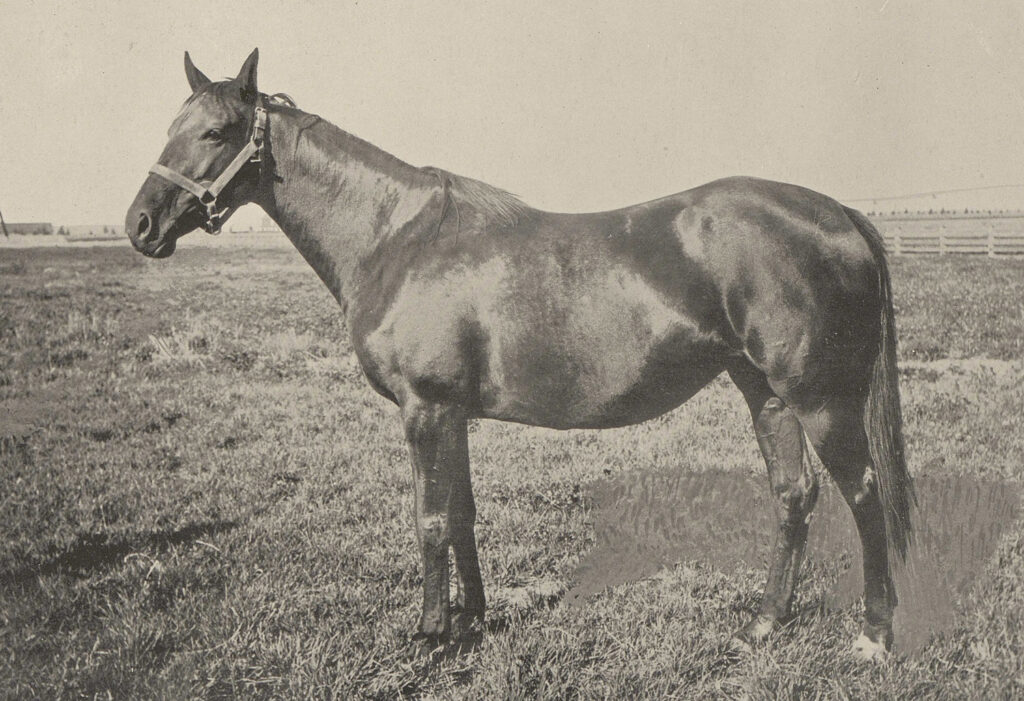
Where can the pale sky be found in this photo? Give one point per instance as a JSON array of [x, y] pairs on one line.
[[574, 106]]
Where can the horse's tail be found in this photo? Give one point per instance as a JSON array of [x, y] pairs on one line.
[[883, 419]]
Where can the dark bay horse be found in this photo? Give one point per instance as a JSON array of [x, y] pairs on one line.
[[463, 302]]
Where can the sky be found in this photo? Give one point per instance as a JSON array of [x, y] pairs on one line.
[[574, 106]]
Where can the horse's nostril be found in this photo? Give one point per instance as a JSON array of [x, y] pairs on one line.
[[143, 229]]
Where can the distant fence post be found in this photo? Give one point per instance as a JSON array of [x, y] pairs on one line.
[[942, 242], [991, 241]]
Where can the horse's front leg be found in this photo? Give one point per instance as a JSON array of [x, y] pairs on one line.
[[467, 623], [438, 446]]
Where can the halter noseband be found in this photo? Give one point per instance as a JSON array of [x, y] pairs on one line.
[[207, 191]]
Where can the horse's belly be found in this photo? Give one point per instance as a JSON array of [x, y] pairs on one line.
[[614, 362], [568, 396]]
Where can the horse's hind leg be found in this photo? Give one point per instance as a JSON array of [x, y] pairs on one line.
[[838, 436], [795, 487]]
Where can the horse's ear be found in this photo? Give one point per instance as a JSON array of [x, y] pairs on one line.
[[196, 79], [247, 77]]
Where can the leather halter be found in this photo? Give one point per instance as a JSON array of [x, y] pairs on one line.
[[207, 191]]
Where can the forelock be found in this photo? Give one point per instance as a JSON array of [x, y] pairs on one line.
[[216, 100]]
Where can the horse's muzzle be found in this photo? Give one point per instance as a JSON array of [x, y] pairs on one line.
[[153, 231], [144, 233], [144, 236]]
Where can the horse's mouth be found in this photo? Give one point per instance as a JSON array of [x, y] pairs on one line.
[[164, 250], [164, 246], [188, 222]]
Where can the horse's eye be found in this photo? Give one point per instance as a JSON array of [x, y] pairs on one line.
[[213, 135]]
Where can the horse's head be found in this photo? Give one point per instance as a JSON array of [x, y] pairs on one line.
[[209, 165]]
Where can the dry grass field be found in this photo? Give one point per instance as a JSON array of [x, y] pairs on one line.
[[201, 498]]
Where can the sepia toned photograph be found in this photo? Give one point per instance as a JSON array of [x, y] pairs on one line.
[[511, 350]]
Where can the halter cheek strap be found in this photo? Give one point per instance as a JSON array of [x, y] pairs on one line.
[[207, 191]]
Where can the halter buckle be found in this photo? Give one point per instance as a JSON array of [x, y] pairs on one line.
[[259, 130]]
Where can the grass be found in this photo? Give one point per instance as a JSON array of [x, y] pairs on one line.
[[200, 497]]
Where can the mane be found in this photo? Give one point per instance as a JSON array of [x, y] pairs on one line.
[[487, 199]]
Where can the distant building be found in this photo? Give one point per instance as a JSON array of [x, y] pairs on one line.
[[93, 232], [32, 228]]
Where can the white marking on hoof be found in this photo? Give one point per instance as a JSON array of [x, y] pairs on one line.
[[866, 649], [740, 646], [754, 632], [761, 628]]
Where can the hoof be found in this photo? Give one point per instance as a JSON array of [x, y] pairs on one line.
[[465, 634], [423, 645], [756, 631], [873, 644], [867, 650], [738, 646], [467, 630]]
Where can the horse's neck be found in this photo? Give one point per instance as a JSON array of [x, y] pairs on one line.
[[338, 197]]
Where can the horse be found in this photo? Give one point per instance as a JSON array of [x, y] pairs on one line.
[[463, 303]]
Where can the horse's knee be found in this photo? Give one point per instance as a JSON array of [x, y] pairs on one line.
[[434, 531], [799, 496]]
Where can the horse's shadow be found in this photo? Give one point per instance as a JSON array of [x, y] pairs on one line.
[[93, 552], [521, 603]]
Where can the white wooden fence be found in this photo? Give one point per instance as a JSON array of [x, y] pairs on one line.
[[962, 234]]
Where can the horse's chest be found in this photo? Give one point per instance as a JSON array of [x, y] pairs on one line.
[[423, 343]]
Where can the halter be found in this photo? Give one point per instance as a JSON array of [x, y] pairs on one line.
[[207, 191]]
